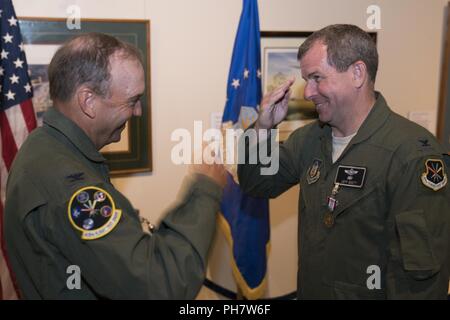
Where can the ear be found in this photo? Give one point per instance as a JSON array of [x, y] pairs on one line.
[[359, 73], [86, 99]]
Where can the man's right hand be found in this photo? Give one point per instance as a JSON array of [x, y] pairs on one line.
[[274, 106], [215, 171]]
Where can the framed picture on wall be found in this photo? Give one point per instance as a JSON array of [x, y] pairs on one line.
[[443, 129], [43, 36], [279, 63]]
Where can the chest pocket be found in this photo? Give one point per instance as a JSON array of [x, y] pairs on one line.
[[362, 188], [315, 194], [366, 198]]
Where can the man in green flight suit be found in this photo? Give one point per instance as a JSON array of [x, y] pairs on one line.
[[374, 208], [63, 215]]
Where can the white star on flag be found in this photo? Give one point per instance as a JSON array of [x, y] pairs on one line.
[[18, 63], [258, 73], [27, 88], [12, 21], [14, 79], [2, 71], [246, 72], [21, 46], [8, 38], [10, 95], [235, 83], [4, 54]]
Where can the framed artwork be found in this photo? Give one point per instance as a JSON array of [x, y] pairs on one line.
[[443, 129], [279, 63], [43, 36]]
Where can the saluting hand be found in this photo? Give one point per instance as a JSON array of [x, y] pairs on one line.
[[274, 106]]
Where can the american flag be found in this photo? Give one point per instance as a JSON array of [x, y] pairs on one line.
[[17, 118]]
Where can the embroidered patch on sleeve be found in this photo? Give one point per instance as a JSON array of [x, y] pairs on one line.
[[92, 211], [434, 176]]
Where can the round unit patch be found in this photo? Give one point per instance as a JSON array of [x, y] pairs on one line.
[[92, 211]]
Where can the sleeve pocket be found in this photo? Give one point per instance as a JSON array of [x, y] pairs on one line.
[[416, 245]]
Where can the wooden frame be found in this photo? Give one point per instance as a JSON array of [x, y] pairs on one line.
[[42, 36], [443, 127]]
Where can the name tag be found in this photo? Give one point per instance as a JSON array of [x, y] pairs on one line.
[[349, 176]]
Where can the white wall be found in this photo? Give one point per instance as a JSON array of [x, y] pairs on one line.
[[191, 44]]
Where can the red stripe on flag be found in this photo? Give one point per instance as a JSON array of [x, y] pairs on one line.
[[9, 148], [28, 114], [5, 256], [2, 241], [8, 152]]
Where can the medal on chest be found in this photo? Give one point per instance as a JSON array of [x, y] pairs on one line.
[[346, 176], [332, 203]]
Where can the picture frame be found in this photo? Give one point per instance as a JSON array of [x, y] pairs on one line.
[[279, 63], [443, 127], [43, 36]]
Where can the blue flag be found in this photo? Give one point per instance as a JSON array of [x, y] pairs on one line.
[[245, 219]]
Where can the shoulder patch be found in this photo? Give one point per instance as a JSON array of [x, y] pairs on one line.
[[92, 211], [434, 176]]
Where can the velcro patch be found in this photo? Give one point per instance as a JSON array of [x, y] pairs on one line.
[[350, 176], [434, 176], [92, 211], [313, 173]]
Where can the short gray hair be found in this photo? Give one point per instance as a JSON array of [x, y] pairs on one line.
[[85, 59]]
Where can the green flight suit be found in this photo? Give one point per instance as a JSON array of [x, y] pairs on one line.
[[394, 222], [127, 263]]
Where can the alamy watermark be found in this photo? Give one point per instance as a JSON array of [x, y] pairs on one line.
[[373, 22], [73, 281], [229, 146], [374, 280], [73, 20]]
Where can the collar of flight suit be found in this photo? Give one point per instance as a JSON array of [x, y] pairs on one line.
[[73, 133], [375, 119]]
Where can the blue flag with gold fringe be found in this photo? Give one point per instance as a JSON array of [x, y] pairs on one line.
[[245, 219]]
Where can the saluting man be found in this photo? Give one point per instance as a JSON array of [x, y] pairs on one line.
[[374, 202], [62, 210]]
